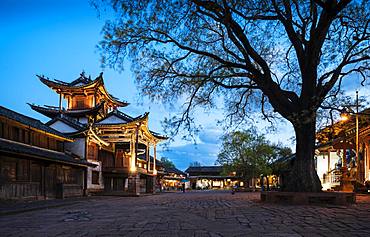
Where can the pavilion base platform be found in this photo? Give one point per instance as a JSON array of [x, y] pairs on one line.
[[298, 198]]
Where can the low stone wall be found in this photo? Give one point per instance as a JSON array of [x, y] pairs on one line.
[[334, 198]]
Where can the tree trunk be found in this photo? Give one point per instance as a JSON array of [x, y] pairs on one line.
[[303, 176]]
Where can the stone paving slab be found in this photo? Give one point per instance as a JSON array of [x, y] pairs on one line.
[[210, 214]]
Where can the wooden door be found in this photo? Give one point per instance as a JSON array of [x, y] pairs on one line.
[[50, 181]]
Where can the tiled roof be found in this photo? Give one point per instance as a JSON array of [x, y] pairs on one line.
[[10, 114], [69, 121], [125, 117], [81, 80], [204, 169], [174, 170], [80, 83], [18, 148], [53, 112]]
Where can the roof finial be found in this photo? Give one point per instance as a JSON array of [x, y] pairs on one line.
[[101, 74], [82, 73]]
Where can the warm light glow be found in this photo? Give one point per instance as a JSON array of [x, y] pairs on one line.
[[241, 184], [344, 117], [133, 169], [155, 172]]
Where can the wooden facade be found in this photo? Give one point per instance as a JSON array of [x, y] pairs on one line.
[[337, 165], [33, 162]]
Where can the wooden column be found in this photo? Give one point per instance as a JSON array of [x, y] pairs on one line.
[[60, 102], [154, 159], [43, 180], [328, 161], [148, 156], [84, 181], [366, 157], [344, 160], [133, 154]]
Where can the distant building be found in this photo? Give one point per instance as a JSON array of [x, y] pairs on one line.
[[211, 177], [34, 161], [119, 145], [173, 179]]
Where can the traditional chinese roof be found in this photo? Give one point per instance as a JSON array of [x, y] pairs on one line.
[[158, 136], [213, 177], [174, 171], [52, 112], [122, 118], [118, 118], [17, 148], [80, 84], [69, 121], [204, 169], [28, 121], [344, 130]]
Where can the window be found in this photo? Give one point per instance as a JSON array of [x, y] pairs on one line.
[[60, 146], [8, 171], [79, 103], [95, 177], [35, 172], [35, 139], [15, 134], [23, 170], [2, 129], [43, 141], [23, 136]]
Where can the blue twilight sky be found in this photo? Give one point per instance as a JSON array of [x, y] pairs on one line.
[[58, 39]]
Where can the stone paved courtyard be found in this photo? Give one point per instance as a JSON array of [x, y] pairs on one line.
[[206, 213]]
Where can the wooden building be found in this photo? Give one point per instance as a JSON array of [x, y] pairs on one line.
[[336, 162], [173, 179], [211, 177], [34, 162], [118, 144]]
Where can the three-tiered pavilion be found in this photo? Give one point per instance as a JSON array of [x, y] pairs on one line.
[[120, 145]]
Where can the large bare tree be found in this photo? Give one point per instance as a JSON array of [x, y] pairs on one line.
[[281, 56]]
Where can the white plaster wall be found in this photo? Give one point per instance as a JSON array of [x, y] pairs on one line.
[[82, 120], [334, 159], [322, 163], [112, 119], [62, 127], [187, 185], [99, 186], [77, 147]]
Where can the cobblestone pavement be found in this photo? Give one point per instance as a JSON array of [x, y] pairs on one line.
[[205, 213]]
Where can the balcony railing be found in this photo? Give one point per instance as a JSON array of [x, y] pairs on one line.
[[332, 177]]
